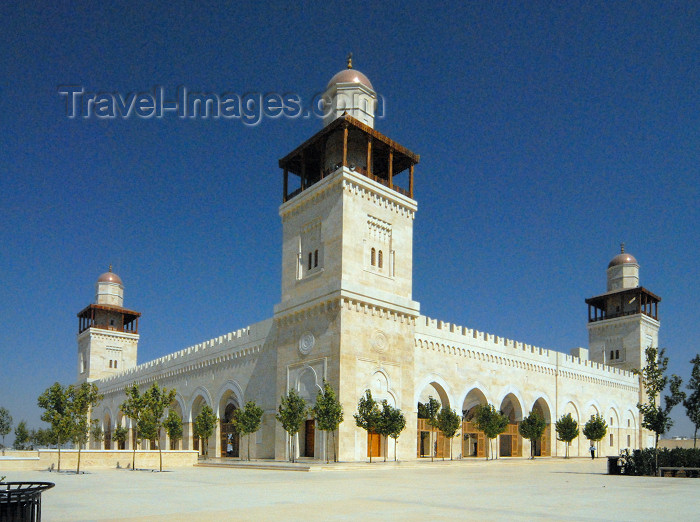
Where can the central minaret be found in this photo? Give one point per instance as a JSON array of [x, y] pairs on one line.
[[347, 263]]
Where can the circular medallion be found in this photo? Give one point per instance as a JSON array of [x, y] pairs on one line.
[[306, 343], [379, 341]]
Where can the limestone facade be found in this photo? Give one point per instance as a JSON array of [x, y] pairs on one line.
[[347, 315]]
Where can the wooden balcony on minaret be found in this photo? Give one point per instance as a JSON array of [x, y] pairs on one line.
[[347, 142], [621, 303], [106, 317]]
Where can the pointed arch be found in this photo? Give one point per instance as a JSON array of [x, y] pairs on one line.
[[439, 386]]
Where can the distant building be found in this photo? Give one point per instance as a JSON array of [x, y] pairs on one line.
[[347, 315]]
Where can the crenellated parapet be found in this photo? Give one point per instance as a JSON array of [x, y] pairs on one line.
[[448, 339], [241, 343]]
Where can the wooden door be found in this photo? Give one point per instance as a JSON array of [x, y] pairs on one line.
[[310, 438], [374, 444]]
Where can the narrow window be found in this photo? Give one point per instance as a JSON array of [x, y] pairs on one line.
[[110, 363], [115, 363], [381, 259], [309, 260], [111, 322], [611, 421], [628, 441], [373, 255], [628, 423], [617, 354], [611, 439], [611, 355], [315, 258]]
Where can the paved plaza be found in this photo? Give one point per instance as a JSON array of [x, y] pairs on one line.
[[507, 489]]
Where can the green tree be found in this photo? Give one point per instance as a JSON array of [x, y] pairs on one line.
[[291, 413], [41, 438], [655, 417], [567, 430], [21, 436], [5, 424], [491, 421], [692, 402], [121, 433], [204, 425], [133, 408], [248, 420], [422, 411], [368, 416], [595, 428], [81, 399], [54, 401], [432, 409], [328, 413], [155, 401], [97, 434], [173, 427], [448, 422], [532, 427], [397, 421], [384, 425]]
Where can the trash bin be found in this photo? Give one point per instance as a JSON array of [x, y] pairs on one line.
[[21, 501], [613, 468]]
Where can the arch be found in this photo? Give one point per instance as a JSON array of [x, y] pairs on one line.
[[178, 405], [106, 429], [230, 387], [473, 398], [307, 385], [511, 406], [541, 405], [439, 387], [380, 385], [199, 398], [592, 408], [516, 401]]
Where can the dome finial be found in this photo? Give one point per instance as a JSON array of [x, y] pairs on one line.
[[110, 267], [622, 248], [350, 61]]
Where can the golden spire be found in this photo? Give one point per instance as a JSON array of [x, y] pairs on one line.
[[622, 248], [110, 267], [350, 61]]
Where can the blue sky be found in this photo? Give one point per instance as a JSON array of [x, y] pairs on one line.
[[549, 132]]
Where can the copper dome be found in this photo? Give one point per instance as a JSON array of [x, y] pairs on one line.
[[350, 76], [622, 259], [110, 277]]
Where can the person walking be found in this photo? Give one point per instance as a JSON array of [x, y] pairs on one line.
[[592, 450]]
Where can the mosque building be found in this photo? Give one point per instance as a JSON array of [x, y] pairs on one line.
[[347, 315]]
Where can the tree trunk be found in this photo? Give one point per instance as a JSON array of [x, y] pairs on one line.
[[160, 455], [695, 438], [59, 455], [395, 450], [249, 447], [77, 471], [335, 451]]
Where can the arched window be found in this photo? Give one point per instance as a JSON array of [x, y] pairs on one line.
[[372, 257], [115, 363], [315, 258], [309, 260], [617, 354], [611, 439], [611, 355], [381, 259], [110, 363]]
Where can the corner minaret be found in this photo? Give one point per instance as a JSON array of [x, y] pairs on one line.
[[107, 332], [624, 321]]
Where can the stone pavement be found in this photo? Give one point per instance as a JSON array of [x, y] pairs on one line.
[[513, 489]]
